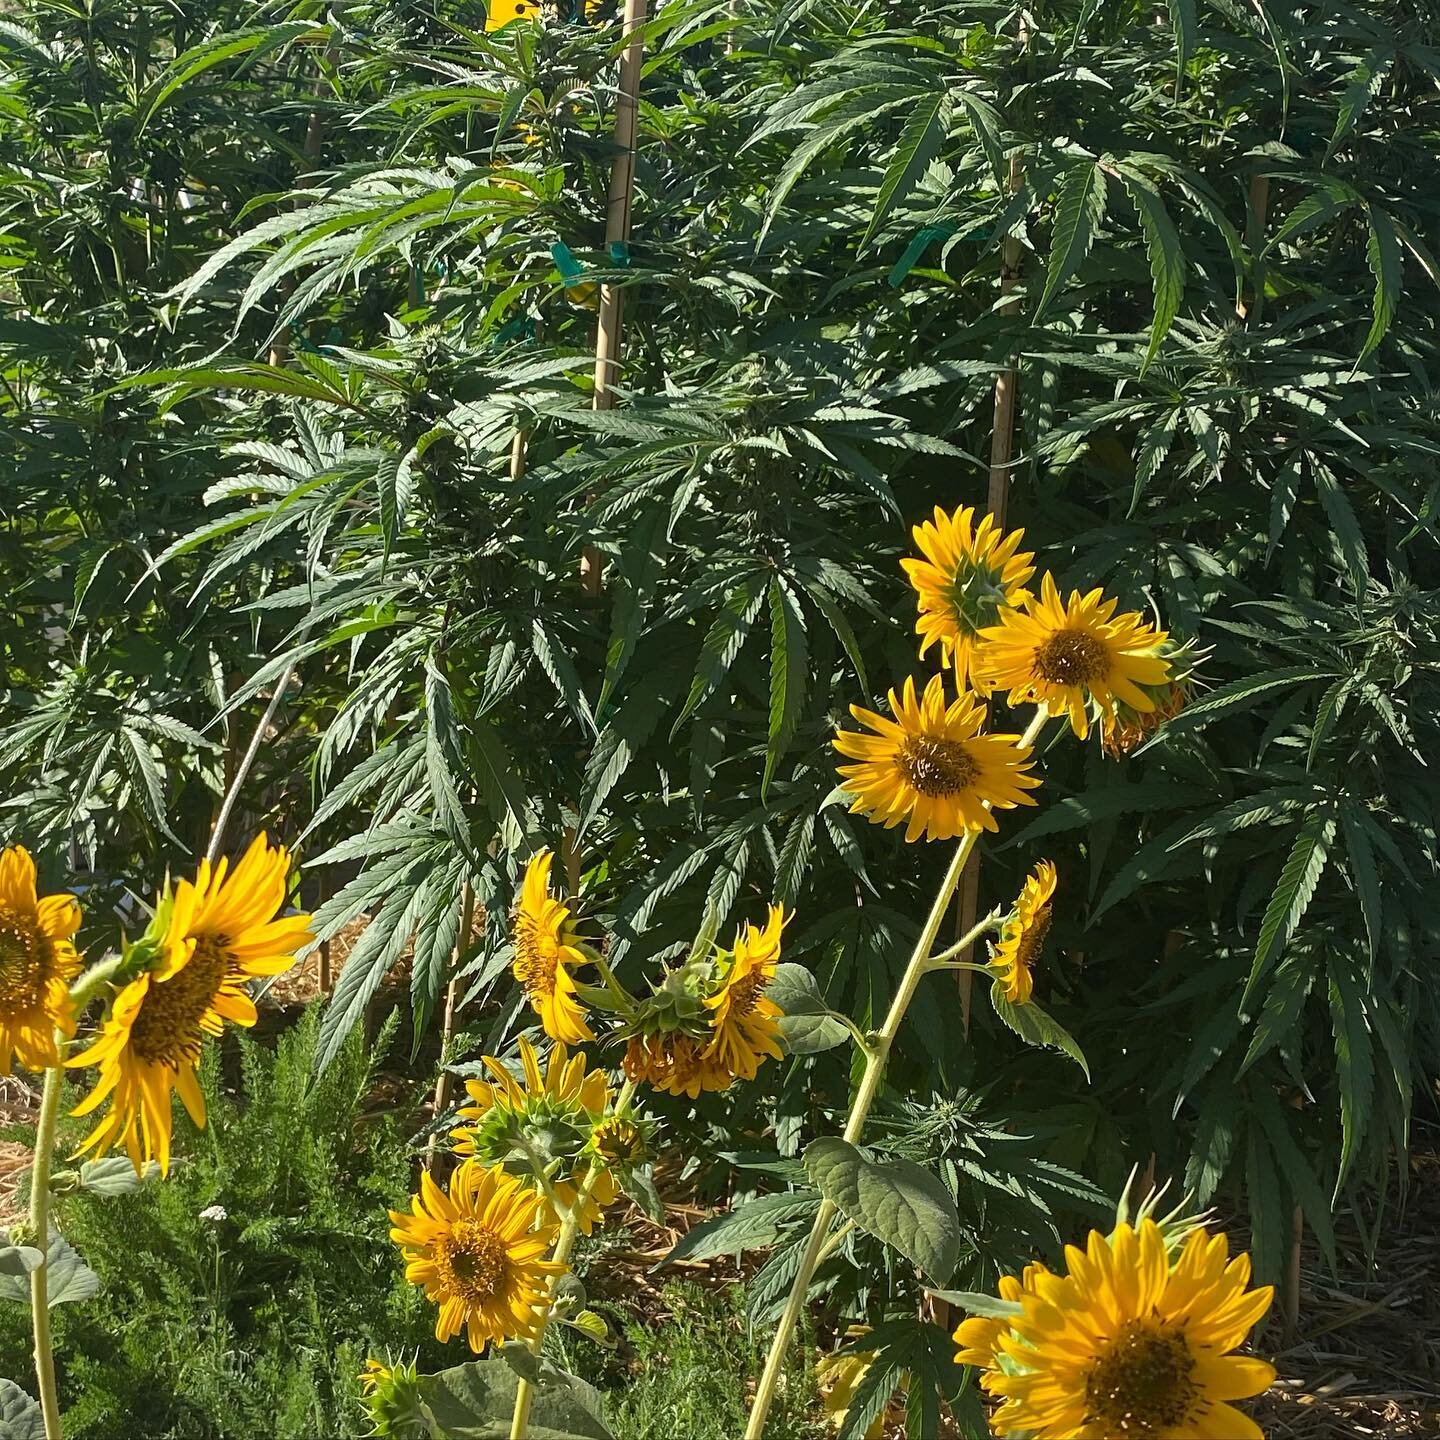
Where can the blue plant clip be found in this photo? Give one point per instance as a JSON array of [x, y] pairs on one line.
[[572, 272]]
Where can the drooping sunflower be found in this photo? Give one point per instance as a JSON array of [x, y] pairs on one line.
[[478, 1252], [546, 944], [38, 961], [969, 574], [224, 929], [1023, 935], [1070, 655], [556, 1111], [674, 1062], [742, 1014], [930, 768], [1128, 1343]]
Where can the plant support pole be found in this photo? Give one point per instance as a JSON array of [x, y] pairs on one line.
[[617, 233]]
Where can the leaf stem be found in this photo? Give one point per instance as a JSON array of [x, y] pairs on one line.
[[40, 1225], [879, 1056], [564, 1244]]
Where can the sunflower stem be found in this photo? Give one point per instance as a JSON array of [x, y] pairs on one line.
[[84, 990], [879, 1055], [40, 1225], [945, 960], [564, 1244]]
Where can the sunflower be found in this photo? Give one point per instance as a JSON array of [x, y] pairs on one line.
[[743, 1015], [1023, 935], [675, 1062], [930, 768], [223, 930], [477, 1251], [552, 1115], [619, 1140], [1070, 654], [37, 962], [969, 574], [545, 944], [499, 13], [1127, 1343]]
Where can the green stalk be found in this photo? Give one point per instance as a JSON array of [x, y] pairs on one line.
[[878, 1051], [564, 1244], [40, 1226]]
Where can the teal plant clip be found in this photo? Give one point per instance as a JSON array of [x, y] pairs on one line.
[[619, 254], [572, 272]]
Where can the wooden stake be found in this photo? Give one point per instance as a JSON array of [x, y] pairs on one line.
[[617, 232], [1002, 453]]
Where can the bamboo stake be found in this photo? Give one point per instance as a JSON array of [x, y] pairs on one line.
[[608, 332]]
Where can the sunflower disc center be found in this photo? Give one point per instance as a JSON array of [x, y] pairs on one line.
[[474, 1262], [1072, 657], [167, 1029], [937, 767], [619, 1141], [536, 956], [1032, 938], [25, 961], [745, 994], [1144, 1384]]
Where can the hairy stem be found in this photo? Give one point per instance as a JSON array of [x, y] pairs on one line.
[[879, 1056], [40, 1225]]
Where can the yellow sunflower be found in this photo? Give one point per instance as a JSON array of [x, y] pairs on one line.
[[677, 1063], [499, 13], [224, 930], [1023, 935], [37, 963], [1071, 654], [930, 768], [743, 1017], [478, 1252], [545, 944], [557, 1107], [1128, 1344], [969, 574]]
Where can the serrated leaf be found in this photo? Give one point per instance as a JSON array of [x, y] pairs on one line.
[[1383, 255], [807, 1025], [920, 140], [1241, 694], [1035, 1027], [987, 1307], [1167, 260], [1360, 854], [789, 669], [1292, 894], [722, 644], [894, 1200], [1354, 1061], [1078, 213], [751, 1226]]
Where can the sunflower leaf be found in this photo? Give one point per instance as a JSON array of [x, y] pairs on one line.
[[807, 1024], [1035, 1027], [476, 1401], [896, 1201], [20, 1416]]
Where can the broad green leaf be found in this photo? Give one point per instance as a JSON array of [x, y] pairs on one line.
[[894, 1200], [69, 1278], [476, 1401], [1035, 1027], [17, 1261], [808, 1025], [20, 1416], [1292, 894], [115, 1175]]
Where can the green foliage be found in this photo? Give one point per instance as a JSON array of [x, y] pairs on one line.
[[242, 1295], [1224, 312]]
